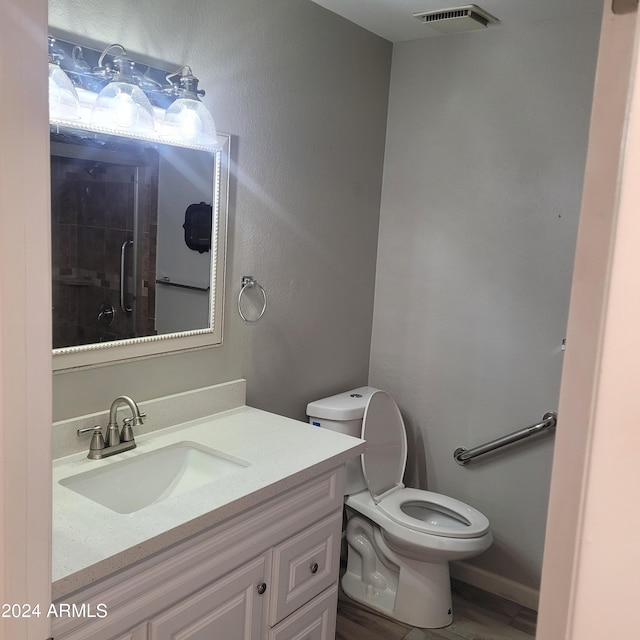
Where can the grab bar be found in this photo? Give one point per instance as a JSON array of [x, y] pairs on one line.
[[123, 276], [166, 280], [549, 420]]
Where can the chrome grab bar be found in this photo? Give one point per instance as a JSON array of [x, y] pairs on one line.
[[462, 456], [123, 276], [167, 280]]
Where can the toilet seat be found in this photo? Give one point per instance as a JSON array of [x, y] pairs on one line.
[[424, 545], [383, 465], [434, 513]]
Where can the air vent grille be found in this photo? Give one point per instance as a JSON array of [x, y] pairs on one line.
[[465, 18], [447, 15]]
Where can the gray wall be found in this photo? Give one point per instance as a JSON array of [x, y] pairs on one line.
[[304, 93], [486, 144]]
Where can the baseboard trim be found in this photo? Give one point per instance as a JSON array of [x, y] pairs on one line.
[[493, 583]]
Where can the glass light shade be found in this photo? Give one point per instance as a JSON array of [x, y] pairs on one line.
[[189, 120], [123, 106], [63, 99]]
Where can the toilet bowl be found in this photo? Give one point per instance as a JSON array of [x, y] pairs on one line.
[[400, 540]]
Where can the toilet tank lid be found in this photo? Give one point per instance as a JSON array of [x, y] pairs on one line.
[[349, 405]]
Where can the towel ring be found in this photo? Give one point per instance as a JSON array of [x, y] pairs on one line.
[[248, 282]]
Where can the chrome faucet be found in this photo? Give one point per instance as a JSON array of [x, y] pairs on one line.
[[114, 441]]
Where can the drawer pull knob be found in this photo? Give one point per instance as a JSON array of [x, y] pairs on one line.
[[314, 567], [262, 587]]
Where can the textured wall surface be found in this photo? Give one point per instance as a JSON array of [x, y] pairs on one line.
[[304, 95], [484, 163]]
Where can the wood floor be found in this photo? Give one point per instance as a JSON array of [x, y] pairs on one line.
[[477, 615]]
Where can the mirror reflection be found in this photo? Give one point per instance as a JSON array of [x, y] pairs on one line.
[[131, 238], [139, 195]]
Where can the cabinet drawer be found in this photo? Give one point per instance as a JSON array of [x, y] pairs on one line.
[[304, 566], [314, 621]]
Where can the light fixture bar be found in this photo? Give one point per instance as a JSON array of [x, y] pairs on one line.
[[92, 72]]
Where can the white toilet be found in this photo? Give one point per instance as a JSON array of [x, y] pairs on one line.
[[400, 540]]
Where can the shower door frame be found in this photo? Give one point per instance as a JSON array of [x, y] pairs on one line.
[[81, 152]]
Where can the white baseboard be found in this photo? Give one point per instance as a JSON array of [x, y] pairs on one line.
[[493, 583]]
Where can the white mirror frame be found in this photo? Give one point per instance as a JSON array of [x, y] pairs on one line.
[[108, 352]]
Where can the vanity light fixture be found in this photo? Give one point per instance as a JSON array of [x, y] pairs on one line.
[[106, 92], [121, 105], [63, 98], [187, 118]]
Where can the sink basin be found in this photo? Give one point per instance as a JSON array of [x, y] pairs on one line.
[[147, 478]]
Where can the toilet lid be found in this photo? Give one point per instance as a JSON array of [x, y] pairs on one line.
[[385, 458]]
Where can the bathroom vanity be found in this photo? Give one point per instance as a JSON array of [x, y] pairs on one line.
[[253, 553]]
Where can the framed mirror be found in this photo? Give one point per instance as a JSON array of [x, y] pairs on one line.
[[138, 246]]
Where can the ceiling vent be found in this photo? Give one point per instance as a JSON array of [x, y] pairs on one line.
[[467, 18]]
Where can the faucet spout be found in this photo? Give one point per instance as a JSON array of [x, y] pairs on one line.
[[135, 412], [114, 436]]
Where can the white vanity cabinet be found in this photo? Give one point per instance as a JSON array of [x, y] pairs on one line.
[[234, 607], [269, 573]]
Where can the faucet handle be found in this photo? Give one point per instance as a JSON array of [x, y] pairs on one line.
[[97, 440], [126, 435], [134, 420], [87, 429]]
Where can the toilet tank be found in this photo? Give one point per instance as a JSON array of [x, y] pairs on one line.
[[343, 413]]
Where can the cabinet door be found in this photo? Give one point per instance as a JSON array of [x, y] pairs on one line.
[[232, 608], [139, 633]]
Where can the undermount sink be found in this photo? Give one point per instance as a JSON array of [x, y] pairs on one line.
[[142, 480]]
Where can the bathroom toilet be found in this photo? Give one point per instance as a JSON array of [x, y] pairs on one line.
[[399, 540]]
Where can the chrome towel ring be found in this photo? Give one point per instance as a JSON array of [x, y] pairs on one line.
[[249, 282]]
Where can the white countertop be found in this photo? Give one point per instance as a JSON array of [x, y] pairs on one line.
[[91, 542]]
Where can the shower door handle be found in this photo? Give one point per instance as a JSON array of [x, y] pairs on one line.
[[123, 276]]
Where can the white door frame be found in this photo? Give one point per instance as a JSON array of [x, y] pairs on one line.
[[25, 319], [591, 568]]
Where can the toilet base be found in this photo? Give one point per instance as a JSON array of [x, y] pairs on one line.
[[410, 591]]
